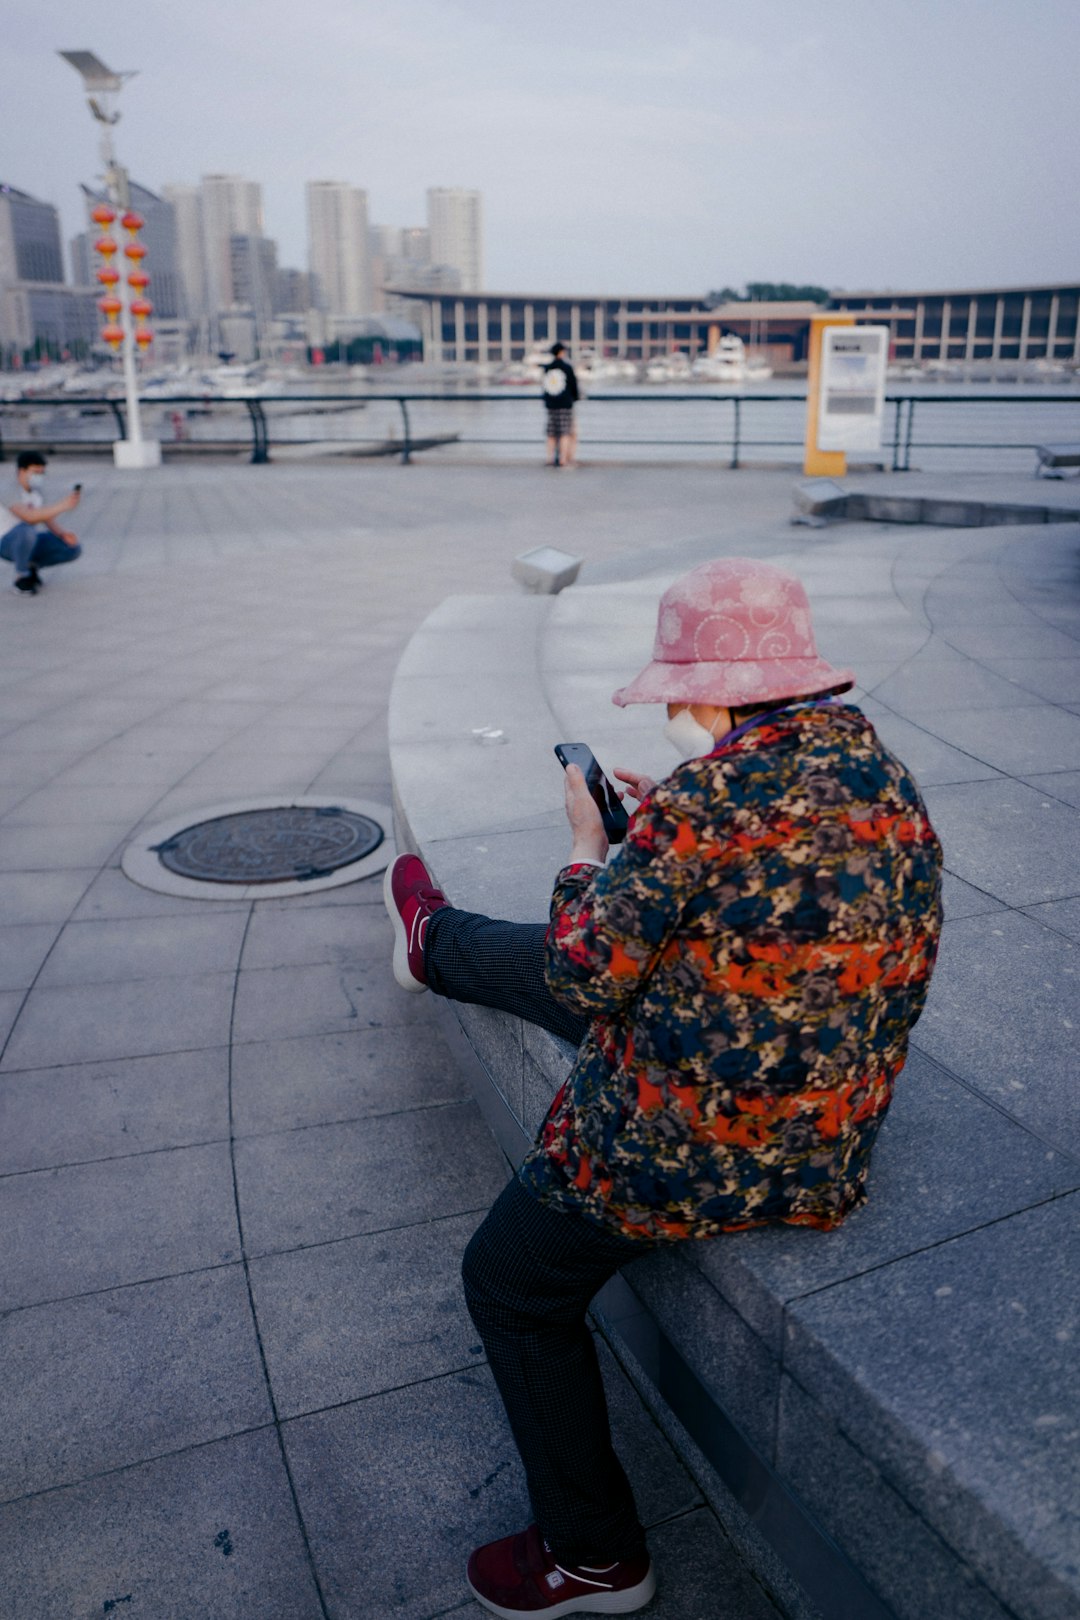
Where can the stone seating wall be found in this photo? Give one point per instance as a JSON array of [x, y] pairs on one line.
[[868, 1398]]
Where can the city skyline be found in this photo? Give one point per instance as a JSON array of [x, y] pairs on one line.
[[835, 147]]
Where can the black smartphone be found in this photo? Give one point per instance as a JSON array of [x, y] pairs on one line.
[[606, 799]]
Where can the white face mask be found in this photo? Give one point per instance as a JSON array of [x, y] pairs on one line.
[[35, 480], [689, 738]]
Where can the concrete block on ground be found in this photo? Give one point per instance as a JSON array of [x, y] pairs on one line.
[[820, 497], [892, 508], [996, 513], [952, 514]]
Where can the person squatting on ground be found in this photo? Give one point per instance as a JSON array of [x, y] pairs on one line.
[[560, 395], [22, 541], [741, 980]]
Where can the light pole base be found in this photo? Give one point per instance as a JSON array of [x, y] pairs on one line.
[[137, 453]]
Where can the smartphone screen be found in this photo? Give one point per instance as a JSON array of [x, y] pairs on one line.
[[606, 799]]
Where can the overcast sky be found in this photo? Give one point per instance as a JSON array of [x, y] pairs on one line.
[[664, 146]]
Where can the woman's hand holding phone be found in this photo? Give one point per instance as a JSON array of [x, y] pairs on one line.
[[590, 842]]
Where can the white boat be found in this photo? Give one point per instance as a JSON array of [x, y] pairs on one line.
[[726, 364], [666, 368]]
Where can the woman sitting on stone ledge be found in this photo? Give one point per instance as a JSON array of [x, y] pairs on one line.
[[740, 980]]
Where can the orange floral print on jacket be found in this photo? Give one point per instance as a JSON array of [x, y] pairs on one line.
[[753, 960]]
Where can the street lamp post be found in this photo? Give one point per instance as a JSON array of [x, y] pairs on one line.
[[101, 85]]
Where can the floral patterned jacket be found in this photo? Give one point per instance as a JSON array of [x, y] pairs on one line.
[[752, 960]]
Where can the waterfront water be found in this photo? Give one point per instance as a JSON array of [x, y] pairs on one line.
[[956, 427]]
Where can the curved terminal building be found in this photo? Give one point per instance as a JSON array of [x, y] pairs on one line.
[[958, 325]]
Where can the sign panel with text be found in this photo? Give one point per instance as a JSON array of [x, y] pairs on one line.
[[851, 403]]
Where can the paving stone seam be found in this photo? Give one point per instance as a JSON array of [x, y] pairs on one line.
[[378, 1394], [103, 1158], [912, 1254], [26, 993], [214, 1141], [117, 1288], [1051, 1143], [375, 1231], [980, 662], [256, 1327], [140, 1462]]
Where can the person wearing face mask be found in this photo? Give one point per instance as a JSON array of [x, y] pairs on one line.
[[741, 979], [30, 536]]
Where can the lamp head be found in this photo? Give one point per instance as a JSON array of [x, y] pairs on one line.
[[96, 77]]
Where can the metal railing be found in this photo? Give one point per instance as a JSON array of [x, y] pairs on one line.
[[731, 440]]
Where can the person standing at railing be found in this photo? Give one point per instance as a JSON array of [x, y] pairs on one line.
[[25, 544], [560, 394]]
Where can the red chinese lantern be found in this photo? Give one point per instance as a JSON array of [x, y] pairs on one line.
[[113, 336], [103, 214], [139, 280], [134, 251], [144, 337], [108, 276], [132, 221], [141, 308], [110, 306], [105, 246]]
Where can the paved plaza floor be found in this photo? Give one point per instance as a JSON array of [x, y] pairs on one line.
[[237, 1166]]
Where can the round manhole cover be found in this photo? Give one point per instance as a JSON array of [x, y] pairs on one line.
[[292, 843]]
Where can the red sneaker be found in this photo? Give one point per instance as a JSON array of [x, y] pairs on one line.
[[519, 1575], [411, 899]]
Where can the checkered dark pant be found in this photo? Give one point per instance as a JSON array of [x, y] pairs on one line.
[[530, 1273]]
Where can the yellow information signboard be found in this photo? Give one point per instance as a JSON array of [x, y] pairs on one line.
[[820, 463]]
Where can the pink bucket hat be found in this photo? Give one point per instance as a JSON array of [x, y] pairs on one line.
[[734, 632]]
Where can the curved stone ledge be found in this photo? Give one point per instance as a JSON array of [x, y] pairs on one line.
[[835, 1383]]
